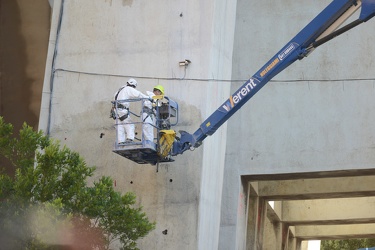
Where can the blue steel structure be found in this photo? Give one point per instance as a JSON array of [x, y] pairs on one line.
[[321, 29]]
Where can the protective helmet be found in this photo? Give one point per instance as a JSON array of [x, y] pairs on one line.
[[132, 82], [161, 88]]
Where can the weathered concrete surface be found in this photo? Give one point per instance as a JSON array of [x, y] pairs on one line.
[[313, 120], [336, 231], [310, 121], [312, 125], [24, 28], [329, 211], [318, 188], [99, 45], [24, 33]]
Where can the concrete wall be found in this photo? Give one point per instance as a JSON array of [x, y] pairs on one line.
[[314, 117], [319, 117], [95, 46]]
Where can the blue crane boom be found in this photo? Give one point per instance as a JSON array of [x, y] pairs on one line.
[[321, 29]]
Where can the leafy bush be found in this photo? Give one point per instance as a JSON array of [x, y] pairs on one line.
[[50, 188]]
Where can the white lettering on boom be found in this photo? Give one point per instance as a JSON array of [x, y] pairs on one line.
[[244, 91]]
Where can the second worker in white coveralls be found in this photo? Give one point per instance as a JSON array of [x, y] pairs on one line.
[[148, 116]]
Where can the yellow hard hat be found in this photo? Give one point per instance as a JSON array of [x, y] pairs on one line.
[[161, 88]]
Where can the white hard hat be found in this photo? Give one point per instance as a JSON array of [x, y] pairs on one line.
[[132, 82]]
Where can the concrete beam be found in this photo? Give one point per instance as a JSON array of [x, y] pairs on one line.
[[329, 211], [321, 188], [335, 231]]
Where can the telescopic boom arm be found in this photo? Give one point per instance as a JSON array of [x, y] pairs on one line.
[[321, 29]]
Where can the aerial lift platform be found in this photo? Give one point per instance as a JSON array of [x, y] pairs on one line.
[[144, 151]]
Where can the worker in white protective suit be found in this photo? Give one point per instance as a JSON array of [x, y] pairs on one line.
[[125, 125], [148, 115]]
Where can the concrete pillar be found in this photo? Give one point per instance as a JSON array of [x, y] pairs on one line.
[[272, 233], [292, 241], [297, 244], [251, 218], [223, 22], [238, 230], [273, 227], [103, 43], [284, 236], [256, 220]]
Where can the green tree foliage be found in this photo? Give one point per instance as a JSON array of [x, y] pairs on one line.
[[48, 202], [351, 244]]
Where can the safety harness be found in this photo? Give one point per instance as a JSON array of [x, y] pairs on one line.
[[149, 113], [119, 106]]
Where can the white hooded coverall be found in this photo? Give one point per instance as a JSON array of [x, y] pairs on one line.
[[126, 127]]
